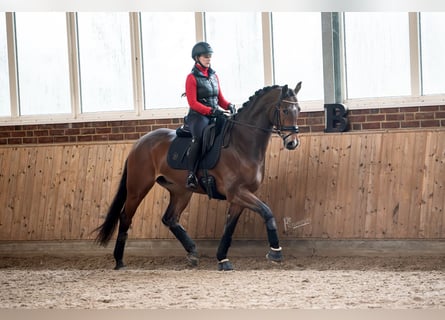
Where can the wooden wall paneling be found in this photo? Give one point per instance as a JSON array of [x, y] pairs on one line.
[[44, 170], [220, 218], [330, 211], [10, 166], [210, 231], [389, 201], [412, 187], [291, 183], [62, 225], [326, 185], [89, 189], [190, 216], [99, 188], [439, 197], [79, 190], [19, 198], [161, 200], [297, 182], [200, 211], [279, 201], [75, 181], [102, 186], [387, 184], [343, 215], [59, 189], [359, 175], [434, 193], [49, 191], [21, 218], [4, 170], [44, 192], [379, 185], [144, 220], [311, 188], [426, 192], [373, 188]]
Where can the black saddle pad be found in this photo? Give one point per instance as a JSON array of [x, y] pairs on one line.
[[177, 154]]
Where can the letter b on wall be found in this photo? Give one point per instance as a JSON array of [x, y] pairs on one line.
[[336, 117]]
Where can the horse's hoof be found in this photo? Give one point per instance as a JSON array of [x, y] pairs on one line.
[[119, 265], [193, 259], [225, 265], [275, 255]]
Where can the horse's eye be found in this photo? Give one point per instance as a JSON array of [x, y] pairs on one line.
[[286, 111]]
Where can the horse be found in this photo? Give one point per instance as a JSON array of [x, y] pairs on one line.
[[237, 174]]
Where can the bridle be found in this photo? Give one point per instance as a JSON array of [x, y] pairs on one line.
[[278, 127]]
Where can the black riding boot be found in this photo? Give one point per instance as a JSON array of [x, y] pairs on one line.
[[193, 160]]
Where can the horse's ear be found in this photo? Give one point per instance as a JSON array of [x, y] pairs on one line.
[[298, 87], [284, 90]]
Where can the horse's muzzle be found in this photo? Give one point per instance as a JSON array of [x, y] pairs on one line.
[[291, 142]]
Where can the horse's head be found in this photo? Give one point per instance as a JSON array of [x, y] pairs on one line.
[[286, 115]]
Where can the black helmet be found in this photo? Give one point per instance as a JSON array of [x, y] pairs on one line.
[[201, 48]]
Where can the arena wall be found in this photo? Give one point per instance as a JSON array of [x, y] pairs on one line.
[[58, 180]]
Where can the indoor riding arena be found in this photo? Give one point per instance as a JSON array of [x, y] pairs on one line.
[[358, 206]]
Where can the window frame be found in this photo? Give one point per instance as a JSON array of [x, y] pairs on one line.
[[333, 72]]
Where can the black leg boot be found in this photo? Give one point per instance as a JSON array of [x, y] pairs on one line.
[[193, 160]]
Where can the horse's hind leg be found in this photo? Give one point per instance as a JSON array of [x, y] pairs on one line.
[[125, 220], [136, 191], [233, 215], [178, 202]]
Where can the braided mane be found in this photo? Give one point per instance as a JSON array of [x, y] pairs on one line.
[[260, 92]]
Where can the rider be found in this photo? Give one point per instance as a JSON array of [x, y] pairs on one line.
[[203, 96]]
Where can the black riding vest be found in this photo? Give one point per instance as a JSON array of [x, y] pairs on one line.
[[207, 87]]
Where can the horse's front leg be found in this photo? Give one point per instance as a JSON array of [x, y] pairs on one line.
[[249, 200], [233, 215]]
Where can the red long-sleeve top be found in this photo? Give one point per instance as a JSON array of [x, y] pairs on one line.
[[192, 93]]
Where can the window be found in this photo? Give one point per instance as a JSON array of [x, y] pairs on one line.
[[432, 28], [236, 39], [42, 59], [297, 50], [79, 66], [167, 41], [105, 61], [377, 54], [4, 79]]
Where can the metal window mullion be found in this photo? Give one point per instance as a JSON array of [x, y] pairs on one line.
[[333, 62], [414, 48], [73, 60], [136, 62], [266, 22], [12, 65], [200, 26]]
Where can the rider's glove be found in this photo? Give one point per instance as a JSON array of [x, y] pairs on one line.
[[231, 108]]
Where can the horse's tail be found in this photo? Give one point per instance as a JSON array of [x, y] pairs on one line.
[[107, 228]]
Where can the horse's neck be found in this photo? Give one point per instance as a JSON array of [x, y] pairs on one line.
[[251, 137]]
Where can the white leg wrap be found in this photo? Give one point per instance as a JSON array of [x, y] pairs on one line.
[[273, 249], [223, 260]]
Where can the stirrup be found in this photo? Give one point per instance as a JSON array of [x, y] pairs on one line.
[[192, 182]]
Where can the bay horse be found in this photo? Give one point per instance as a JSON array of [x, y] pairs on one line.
[[238, 174]]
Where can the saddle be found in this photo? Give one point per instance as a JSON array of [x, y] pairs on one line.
[[212, 142]]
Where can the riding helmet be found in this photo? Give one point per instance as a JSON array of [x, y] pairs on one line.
[[201, 48]]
